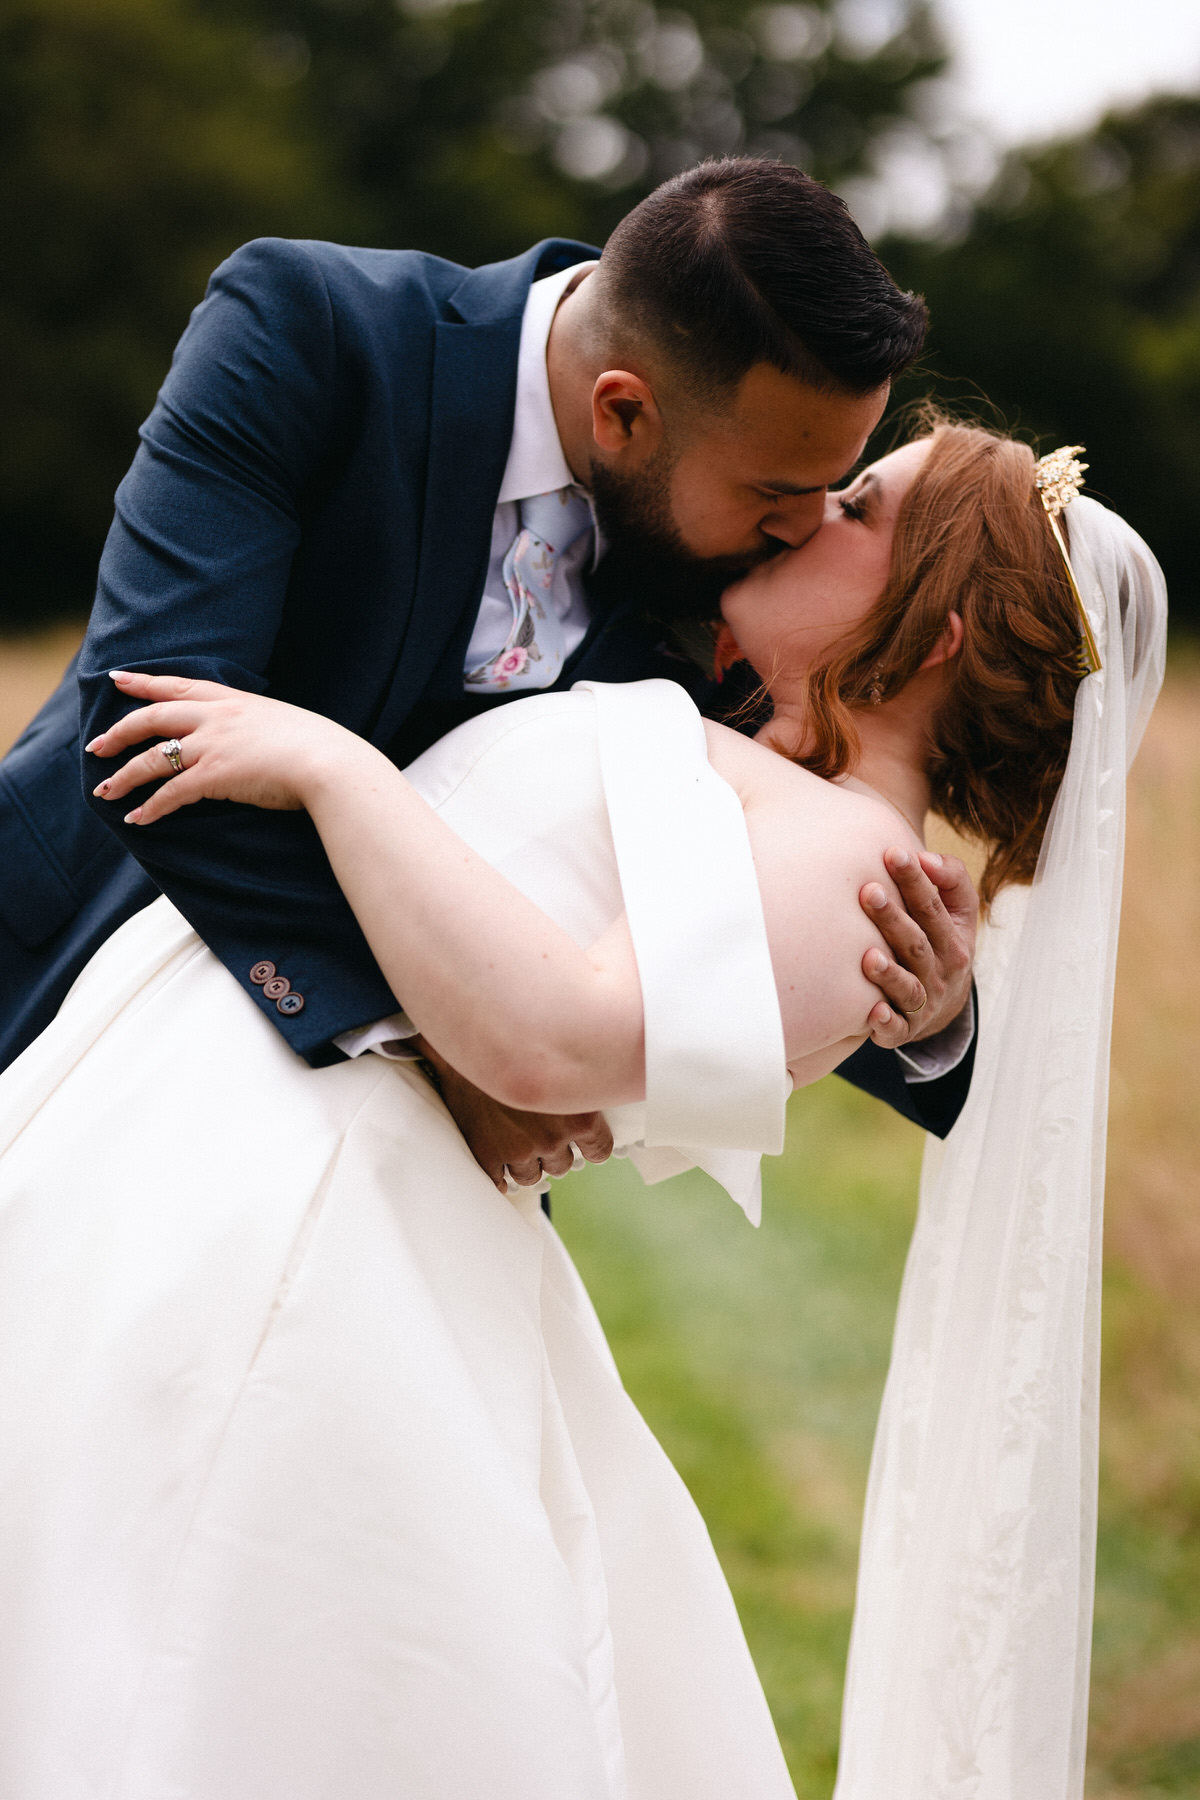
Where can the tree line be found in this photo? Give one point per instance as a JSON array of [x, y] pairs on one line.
[[144, 139]]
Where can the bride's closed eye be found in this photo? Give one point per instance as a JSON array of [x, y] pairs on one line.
[[852, 506]]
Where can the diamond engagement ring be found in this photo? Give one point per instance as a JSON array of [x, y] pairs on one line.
[[172, 749]]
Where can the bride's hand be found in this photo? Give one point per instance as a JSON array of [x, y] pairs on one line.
[[232, 746]]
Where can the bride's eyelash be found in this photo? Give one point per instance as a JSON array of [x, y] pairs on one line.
[[851, 506]]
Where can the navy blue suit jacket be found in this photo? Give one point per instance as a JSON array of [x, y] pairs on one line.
[[309, 514]]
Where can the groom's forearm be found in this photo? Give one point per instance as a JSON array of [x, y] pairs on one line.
[[257, 889], [505, 1141]]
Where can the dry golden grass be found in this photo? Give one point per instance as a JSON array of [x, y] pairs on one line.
[[30, 668], [1154, 1223], [1145, 1734]]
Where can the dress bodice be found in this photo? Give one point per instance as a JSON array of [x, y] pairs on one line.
[[522, 785], [602, 800]]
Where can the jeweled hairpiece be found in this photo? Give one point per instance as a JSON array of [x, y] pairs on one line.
[[1058, 478]]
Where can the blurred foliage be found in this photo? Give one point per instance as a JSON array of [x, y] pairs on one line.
[[474, 128], [1073, 304], [139, 146], [144, 139]]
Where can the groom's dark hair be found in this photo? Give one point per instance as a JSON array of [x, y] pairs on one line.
[[743, 261]]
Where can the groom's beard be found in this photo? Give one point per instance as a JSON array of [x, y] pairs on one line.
[[646, 554]]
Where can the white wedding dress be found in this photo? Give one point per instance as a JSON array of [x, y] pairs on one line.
[[317, 1480]]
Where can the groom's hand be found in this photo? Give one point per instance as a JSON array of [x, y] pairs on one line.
[[932, 939], [527, 1144]]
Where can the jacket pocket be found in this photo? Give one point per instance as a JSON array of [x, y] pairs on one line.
[[48, 836]]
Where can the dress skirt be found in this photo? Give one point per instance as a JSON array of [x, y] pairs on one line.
[[317, 1479]]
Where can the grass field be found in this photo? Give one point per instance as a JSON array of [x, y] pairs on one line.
[[759, 1357]]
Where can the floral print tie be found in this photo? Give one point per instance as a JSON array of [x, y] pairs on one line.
[[537, 584]]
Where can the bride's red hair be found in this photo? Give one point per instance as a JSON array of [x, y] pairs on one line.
[[971, 537]]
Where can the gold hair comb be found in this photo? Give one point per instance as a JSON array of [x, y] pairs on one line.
[[1058, 477]]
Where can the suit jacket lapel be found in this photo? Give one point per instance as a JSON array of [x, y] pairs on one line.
[[471, 415], [474, 381]]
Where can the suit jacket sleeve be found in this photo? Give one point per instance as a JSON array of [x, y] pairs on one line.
[[934, 1105], [193, 581]]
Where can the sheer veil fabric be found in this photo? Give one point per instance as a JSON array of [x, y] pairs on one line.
[[969, 1661]]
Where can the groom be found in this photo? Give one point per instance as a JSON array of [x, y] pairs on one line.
[[399, 492]]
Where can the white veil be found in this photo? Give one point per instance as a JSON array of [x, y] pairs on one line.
[[969, 1662]]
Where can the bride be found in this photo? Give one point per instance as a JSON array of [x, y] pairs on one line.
[[317, 1477]]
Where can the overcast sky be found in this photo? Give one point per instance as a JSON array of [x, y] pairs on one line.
[[1033, 68]]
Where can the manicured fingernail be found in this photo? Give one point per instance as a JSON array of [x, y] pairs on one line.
[[90, 748], [875, 897], [134, 818], [118, 675], [102, 789]]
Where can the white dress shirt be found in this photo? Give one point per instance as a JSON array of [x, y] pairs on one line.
[[536, 465]]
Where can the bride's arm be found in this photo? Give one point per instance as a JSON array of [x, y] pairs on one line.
[[500, 990], [483, 971]]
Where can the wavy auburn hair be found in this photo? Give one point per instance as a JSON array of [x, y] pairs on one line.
[[972, 538]]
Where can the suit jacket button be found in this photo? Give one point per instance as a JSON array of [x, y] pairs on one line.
[[261, 973], [277, 987], [291, 1003]]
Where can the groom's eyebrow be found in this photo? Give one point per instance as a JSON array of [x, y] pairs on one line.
[[789, 487]]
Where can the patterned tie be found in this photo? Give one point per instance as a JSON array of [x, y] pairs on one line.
[[537, 574]]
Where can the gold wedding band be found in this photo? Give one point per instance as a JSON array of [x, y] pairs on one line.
[[916, 1009]]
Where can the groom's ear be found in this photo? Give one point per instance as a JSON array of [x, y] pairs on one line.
[[948, 645], [625, 414]]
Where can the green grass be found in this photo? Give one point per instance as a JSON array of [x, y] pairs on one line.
[[759, 1358]]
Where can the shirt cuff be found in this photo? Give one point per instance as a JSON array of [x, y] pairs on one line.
[[935, 1056], [386, 1037]]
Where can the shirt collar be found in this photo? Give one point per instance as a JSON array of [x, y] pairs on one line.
[[536, 464]]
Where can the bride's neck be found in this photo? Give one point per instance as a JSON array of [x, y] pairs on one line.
[[893, 746]]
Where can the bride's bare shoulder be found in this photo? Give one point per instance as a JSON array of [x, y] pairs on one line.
[[744, 762], [795, 800], [815, 844]]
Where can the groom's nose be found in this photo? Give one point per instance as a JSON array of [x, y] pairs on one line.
[[794, 518]]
